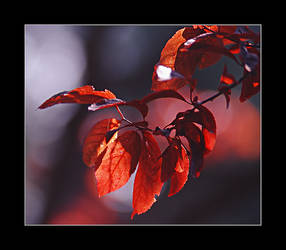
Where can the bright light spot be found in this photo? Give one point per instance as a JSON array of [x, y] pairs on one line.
[[189, 42], [247, 68], [163, 73]]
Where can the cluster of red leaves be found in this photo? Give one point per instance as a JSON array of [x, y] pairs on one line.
[[114, 157], [201, 46]]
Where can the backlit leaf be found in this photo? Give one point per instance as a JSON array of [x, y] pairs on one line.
[[95, 142], [81, 95], [118, 163], [208, 128], [147, 182], [226, 79], [172, 57], [179, 178], [169, 162]]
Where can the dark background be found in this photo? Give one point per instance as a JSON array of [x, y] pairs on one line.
[[60, 189]]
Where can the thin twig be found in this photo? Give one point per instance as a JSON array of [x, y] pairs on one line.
[[211, 98]]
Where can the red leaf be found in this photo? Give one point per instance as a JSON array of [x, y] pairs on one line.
[[201, 141], [226, 79], [169, 162], [180, 62], [203, 116], [138, 104], [211, 50], [196, 142], [95, 143], [147, 182], [81, 95], [118, 163], [219, 30], [179, 179], [250, 85], [169, 52], [188, 129], [208, 46], [208, 128]]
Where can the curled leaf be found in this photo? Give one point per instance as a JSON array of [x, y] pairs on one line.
[[81, 95]]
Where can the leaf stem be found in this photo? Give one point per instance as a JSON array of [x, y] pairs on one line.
[[120, 113]]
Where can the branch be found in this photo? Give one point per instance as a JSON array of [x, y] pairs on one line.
[[221, 92]]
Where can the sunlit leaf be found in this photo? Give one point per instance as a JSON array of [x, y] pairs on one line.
[[81, 95], [118, 163], [95, 143], [179, 178], [147, 182]]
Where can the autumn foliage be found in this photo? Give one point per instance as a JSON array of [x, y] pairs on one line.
[[114, 148]]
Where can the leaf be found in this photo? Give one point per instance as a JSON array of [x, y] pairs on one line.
[[226, 79], [197, 145], [179, 178], [211, 50], [95, 143], [118, 163], [81, 95], [218, 30], [249, 59], [188, 129], [200, 115], [201, 141], [246, 34], [251, 83], [169, 52], [147, 182], [172, 57], [208, 128], [169, 162], [138, 104]]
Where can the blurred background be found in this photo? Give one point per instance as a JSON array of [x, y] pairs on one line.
[[60, 189]]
